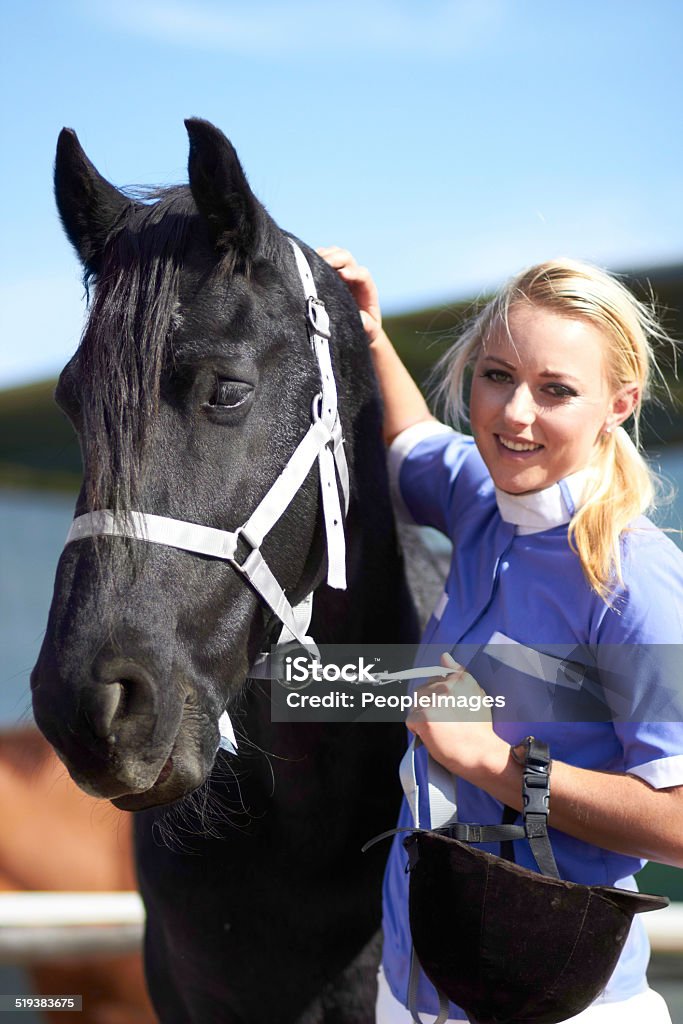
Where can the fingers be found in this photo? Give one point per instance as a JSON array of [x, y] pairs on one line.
[[448, 661], [360, 283], [454, 698], [336, 256], [452, 717], [349, 270]]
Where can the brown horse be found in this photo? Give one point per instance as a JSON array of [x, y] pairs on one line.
[[54, 837]]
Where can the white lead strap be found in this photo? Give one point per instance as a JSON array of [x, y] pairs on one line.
[[323, 443], [440, 787], [442, 811]]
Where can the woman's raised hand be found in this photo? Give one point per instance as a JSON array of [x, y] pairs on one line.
[[361, 285], [402, 400]]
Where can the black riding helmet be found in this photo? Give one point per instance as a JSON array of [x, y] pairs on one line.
[[509, 945]]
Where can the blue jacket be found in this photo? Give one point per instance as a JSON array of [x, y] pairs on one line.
[[513, 590]]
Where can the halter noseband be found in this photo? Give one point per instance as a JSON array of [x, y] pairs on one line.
[[323, 441]]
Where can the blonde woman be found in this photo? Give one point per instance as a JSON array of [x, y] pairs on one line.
[[545, 507]]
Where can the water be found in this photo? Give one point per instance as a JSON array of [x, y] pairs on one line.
[[33, 526]]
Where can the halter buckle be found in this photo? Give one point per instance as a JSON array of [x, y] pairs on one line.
[[318, 317], [317, 407], [242, 533]]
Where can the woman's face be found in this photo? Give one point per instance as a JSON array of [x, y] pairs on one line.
[[540, 399]]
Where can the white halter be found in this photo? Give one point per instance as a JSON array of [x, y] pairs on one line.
[[323, 442]]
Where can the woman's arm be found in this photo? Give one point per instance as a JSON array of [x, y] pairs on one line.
[[618, 812], [403, 402]]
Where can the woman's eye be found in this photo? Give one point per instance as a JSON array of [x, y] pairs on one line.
[[228, 394], [496, 376], [561, 391]]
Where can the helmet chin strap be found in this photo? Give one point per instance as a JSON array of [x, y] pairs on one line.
[[323, 443]]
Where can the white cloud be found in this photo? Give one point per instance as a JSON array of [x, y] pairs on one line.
[[308, 28]]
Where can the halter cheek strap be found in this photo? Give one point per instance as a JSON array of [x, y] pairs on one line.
[[443, 810], [330, 454], [323, 443]]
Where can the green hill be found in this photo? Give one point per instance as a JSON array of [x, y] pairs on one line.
[[39, 449], [38, 446]]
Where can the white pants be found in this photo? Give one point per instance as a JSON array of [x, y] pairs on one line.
[[647, 1007]]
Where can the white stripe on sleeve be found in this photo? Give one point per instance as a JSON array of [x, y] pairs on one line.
[[401, 447], [662, 773]]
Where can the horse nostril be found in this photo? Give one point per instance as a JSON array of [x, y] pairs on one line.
[[101, 706], [119, 696]]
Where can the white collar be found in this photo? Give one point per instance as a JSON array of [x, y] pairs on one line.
[[543, 510]]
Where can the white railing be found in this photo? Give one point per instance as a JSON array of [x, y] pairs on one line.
[[42, 925], [665, 928]]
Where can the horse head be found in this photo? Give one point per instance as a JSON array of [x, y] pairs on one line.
[[192, 386]]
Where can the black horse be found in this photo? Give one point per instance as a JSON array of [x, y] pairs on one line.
[[191, 387]]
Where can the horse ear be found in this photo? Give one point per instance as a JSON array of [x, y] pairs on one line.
[[221, 190], [89, 206]]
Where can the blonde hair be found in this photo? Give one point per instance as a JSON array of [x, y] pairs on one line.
[[623, 484]]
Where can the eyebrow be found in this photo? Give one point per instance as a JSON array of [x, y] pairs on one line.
[[550, 374]]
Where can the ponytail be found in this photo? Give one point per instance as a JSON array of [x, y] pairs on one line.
[[624, 489]]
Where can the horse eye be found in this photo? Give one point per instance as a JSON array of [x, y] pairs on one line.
[[228, 394]]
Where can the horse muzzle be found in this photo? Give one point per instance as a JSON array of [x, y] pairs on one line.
[[122, 735]]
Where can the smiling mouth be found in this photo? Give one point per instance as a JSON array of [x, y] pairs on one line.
[[518, 446]]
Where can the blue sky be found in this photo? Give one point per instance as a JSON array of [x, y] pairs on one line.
[[446, 142]]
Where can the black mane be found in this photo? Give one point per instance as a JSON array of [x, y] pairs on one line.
[[134, 302], [127, 338]]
